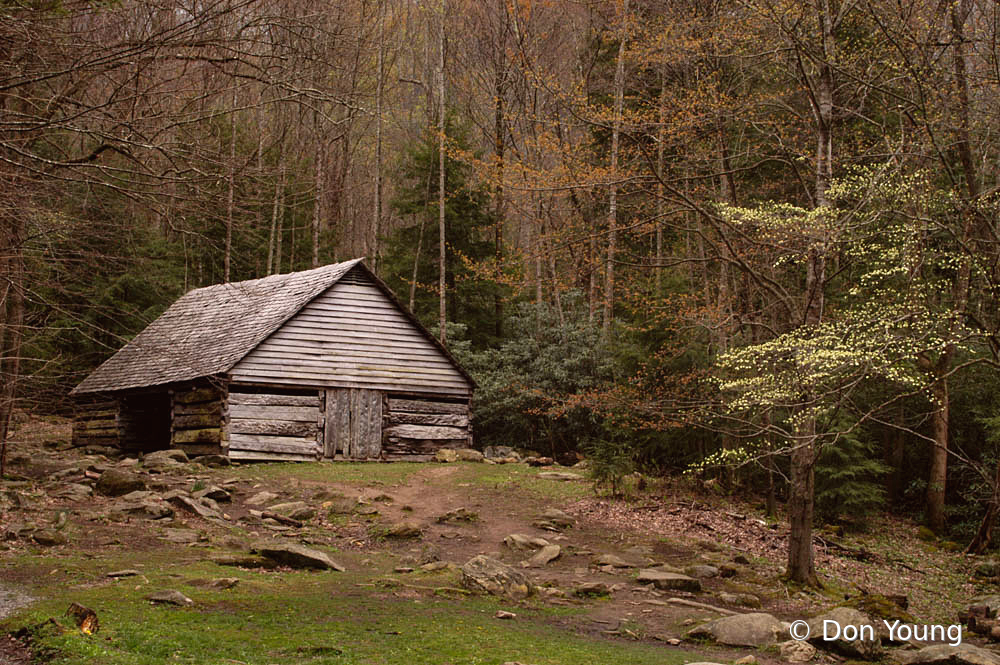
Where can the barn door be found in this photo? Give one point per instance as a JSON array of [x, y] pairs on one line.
[[353, 423]]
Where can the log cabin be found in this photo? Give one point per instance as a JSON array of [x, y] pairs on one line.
[[318, 364]]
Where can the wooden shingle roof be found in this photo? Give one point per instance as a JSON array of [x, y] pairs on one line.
[[209, 329]]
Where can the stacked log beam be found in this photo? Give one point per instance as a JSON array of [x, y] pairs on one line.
[[198, 421], [96, 424], [415, 429]]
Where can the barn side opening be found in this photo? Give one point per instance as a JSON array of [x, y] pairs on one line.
[[144, 421]]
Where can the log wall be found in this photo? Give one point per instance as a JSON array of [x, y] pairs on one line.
[[415, 429], [198, 420], [95, 423], [275, 426]]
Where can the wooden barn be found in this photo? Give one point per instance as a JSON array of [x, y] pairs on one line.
[[319, 364]]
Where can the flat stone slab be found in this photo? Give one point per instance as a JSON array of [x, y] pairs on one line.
[[543, 556], [298, 556], [742, 630], [668, 581], [561, 475], [614, 561], [945, 654], [169, 597]]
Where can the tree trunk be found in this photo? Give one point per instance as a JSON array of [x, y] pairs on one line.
[[11, 331], [801, 567], [380, 74], [442, 252], [319, 178], [231, 200], [616, 123], [499, 143], [938, 476]]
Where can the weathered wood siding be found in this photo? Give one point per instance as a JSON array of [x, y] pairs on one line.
[[416, 429], [352, 336], [353, 428], [274, 426]]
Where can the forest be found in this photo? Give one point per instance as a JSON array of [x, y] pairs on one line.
[[754, 242]]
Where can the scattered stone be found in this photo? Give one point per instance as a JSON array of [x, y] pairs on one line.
[[500, 452], [797, 651], [702, 571], [990, 603], [171, 456], [866, 649], [741, 630], [668, 581], [446, 455], [554, 519], [153, 509], [561, 475], [287, 508], [484, 574], [169, 597], [518, 541], [543, 556], [181, 536], [261, 498], [458, 515], [539, 461], [591, 589], [116, 482], [434, 566], [74, 492], [298, 556], [215, 494], [741, 559], [128, 572], [139, 495], [988, 568], [746, 660], [725, 570], [200, 507], [403, 530], [613, 561], [503, 614], [469, 455], [740, 599], [946, 654], [49, 537], [224, 583], [402, 569]]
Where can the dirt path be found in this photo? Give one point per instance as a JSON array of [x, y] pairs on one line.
[[11, 599]]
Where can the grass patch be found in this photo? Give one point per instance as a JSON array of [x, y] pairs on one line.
[[295, 617], [522, 478], [352, 473]]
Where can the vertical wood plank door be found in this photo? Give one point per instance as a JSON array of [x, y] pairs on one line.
[[353, 423]]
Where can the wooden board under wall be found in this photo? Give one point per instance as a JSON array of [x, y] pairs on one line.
[[274, 426]]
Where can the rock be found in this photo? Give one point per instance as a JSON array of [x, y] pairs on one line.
[[181, 536], [702, 571], [458, 515], [287, 508], [212, 460], [821, 627], [487, 575], [200, 507], [517, 541], [500, 452], [73, 492], [224, 583], [303, 514], [169, 597], [741, 559], [740, 599], [153, 509], [402, 530], [613, 561], [128, 572], [214, 493], [446, 455], [402, 569], [469, 455], [434, 566], [49, 537], [298, 556], [261, 498], [668, 581], [560, 475], [988, 568], [946, 654], [741, 630], [591, 589], [140, 495], [554, 519], [797, 651], [539, 461], [115, 482], [746, 660], [991, 603], [171, 456], [544, 556], [503, 614]]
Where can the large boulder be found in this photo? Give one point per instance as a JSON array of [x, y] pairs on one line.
[[946, 654], [668, 581], [169, 457], [115, 482], [846, 631], [742, 630], [487, 575], [298, 556]]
